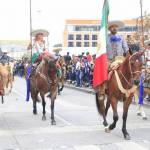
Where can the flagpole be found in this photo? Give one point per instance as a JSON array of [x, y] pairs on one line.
[[31, 27]]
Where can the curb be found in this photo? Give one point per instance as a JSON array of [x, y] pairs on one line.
[[85, 90], [91, 91]]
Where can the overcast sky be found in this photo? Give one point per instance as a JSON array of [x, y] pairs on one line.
[[51, 15]]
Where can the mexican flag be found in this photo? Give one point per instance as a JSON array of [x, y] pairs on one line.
[[101, 63]]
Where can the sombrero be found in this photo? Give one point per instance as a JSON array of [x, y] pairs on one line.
[[44, 32], [5, 51], [57, 49], [118, 24]]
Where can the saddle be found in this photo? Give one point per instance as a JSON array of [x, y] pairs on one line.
[[114, 65]]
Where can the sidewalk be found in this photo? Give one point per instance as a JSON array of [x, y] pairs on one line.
[[91, 91]]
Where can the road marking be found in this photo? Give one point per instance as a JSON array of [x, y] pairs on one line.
[[130, 146], [56, 115], [87, 147]]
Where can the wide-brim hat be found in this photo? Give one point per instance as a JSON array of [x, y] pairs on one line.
[[38, 31], [57, 49], [5, 51], [118, 24], [147, 42]]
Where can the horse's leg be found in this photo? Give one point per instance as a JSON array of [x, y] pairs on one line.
[[58, 88], [107, 106], [53, 122], [2, 99], [126, 105], [115, 113], [62, 87], [44, 105], [34, 98]]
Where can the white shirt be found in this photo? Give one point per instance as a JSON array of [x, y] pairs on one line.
[[78, 65], [147, 54], [38, 47]]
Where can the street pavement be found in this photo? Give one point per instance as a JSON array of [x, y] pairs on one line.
[[79, 127]]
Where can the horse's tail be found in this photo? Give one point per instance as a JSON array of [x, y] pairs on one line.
[[100, 104]]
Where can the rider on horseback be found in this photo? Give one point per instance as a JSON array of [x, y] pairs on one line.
[[4, 58], [39, 49], [116, 46]]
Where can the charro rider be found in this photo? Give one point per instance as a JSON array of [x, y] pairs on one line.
[[116, 47], [39, 49], [4, 58]]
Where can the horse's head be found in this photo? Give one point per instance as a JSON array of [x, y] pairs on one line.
[[52, 70], [61, 61], [135, 66]]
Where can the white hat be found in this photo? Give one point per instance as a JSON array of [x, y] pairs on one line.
[[5, 51], [118, 24], [38, 31], [57, 49], [147, 42]]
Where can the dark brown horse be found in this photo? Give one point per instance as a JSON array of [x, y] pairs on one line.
[[129, 74], [44, 81], [61, 73]]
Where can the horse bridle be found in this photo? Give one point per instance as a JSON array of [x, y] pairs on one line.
[[131, 72], [135, 72]]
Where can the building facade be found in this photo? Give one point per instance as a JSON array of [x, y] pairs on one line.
[[83, 35]]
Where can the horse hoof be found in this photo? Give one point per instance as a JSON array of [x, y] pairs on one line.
[[127, 137], [43, 118], [34, 112], [139, 114], [53, 122], [107, 130], [144, 118]]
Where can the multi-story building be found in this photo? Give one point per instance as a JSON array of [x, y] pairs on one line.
[[83, 35]]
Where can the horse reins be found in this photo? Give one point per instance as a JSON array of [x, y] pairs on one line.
[[131, 72]]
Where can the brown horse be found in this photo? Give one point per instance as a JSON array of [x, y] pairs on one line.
[[44, 81], [61, 73], [6, 79], [128, 73]]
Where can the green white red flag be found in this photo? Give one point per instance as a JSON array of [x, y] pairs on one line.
[[101, 63]]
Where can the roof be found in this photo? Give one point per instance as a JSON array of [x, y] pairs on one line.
[[96, 22]]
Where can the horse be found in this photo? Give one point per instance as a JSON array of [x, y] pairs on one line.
[[6, 79], [61, 73], [121, 85], [42, 82]]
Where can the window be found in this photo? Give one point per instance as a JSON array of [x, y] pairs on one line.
[[86, 37], [78, 37], [94, 44], [70, 44], [78, 44], [86, 44], [94, 37], [70, 37], [87, 28]]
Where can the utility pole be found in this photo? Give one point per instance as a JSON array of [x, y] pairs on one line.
[[142, 23], [31, 27]]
